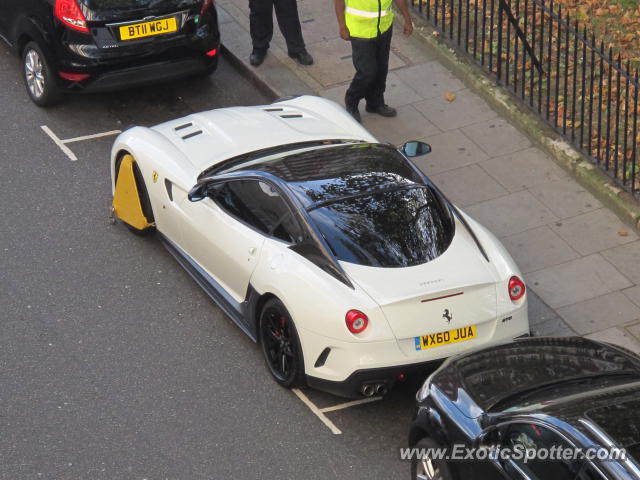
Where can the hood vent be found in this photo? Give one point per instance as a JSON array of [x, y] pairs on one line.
[[186, 130]]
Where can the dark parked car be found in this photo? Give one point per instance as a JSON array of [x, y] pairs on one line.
[[537, 394], [96, 45]]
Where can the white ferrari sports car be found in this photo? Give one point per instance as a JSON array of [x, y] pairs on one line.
[[330, 249]]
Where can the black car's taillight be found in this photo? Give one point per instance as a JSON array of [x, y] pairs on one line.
[[206, 6], [69, 13]]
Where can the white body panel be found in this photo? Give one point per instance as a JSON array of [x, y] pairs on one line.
[[237, 256]]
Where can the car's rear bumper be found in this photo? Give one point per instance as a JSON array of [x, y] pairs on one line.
[[387, 377], [144, 74], [349, 366]]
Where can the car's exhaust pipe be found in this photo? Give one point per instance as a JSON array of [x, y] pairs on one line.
[[381, 389], [367, 390]]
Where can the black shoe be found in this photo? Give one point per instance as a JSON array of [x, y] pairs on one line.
[[384, 110], [353, 111], [257, 57], [302, 57]]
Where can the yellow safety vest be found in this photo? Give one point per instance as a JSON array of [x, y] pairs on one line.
[[368, 18]]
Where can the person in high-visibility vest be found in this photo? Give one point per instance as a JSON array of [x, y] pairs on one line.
[[368, 25]]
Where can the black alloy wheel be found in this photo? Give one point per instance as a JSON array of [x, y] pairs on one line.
[[280, 344]]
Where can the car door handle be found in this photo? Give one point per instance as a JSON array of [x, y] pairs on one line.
[[252, 251]]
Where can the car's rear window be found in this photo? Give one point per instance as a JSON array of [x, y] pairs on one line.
[[399, 227]]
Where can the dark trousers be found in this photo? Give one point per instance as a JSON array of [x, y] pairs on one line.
[[371, 60], [261, 23]]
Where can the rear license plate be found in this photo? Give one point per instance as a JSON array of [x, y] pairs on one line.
[[148, 29], [444, 338]]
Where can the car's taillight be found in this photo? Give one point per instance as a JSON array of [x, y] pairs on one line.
[[74, 77], [516, 288], [206, 6], [212, 53], [69, 13], [356, 321]]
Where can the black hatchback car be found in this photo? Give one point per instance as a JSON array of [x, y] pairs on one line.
[[502, 412], [97, 45]]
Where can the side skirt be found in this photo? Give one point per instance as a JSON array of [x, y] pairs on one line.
[[234, 310]]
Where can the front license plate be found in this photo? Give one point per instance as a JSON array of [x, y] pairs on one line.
[[149, 29], [444, 338]]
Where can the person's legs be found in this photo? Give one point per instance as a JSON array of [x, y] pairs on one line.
[[364, 61], [289, 22], [261, 23], [375, 96]]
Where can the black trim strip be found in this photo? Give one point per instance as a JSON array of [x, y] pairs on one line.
[[441, 298], [192, 134], [183, 126]]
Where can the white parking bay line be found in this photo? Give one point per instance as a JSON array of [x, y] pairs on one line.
[[91, 137], [66, 150], [335, 430], [350, 404]]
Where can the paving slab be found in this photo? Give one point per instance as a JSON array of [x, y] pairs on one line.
[[412, 126], [594, 231], [523, 169], [468, 185], [626, 259], [576, 281], [633, 294], [511, 214], [618, 336], [465, 109], [431, 80], [634, 330], [497, 137], [564, 197], [538, 248], [610, 310], [451, 150]]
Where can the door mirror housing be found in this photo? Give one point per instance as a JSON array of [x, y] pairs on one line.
[[199, 192], [415, 148]]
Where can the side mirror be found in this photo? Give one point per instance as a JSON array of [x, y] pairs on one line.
[[415, 148], [199, 192]]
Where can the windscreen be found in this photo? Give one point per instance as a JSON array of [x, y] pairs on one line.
[[399, 227]]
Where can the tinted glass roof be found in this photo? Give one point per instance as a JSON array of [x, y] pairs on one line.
[[326, 173]]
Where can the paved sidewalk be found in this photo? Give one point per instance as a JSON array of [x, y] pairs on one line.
[[581, 263]]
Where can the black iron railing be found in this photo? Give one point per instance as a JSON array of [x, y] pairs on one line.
[[557, 68]]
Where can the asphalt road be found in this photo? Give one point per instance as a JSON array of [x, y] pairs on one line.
[[113, 363]]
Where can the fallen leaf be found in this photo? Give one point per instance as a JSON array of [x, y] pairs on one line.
[[449, 97], [623, 234]]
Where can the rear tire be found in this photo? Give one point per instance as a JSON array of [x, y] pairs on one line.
[[38, 76], [428, 469], [281, 345]]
